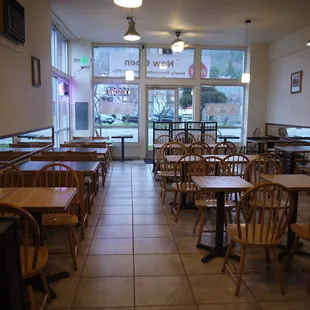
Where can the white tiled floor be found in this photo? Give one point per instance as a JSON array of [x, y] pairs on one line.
[[134, 255]]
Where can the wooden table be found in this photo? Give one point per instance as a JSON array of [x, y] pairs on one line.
[[228, 137], [5, 192], [219, 185], [295, 183], [97, 141], [263, 144], [175, 158], [293, 150], [122, 137], [100, 151]]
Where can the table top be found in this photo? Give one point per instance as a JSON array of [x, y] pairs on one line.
[[40, 199], [81, 166], [6, 191], [175, 158], [294, 182], [228, 137], [221, 183], [78, 149], [294, 149], [20, 149], [265, 141], [90, 141], [122, 137]]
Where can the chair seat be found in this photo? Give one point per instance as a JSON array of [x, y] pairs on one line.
[[59, 219], [302, 230], [167, 173], [212, 203], [42, 261], [261, 204], [255, 239], [188, 187]]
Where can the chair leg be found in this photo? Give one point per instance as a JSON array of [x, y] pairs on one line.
[[45, 286], [32, 302], [228, 252], [174, 201], [308, 283], [267, 257], [201, 225], [72, 248], [292, 252], [230, 218], [178, 209], [279, 274], [197, 221], [239, 277], [164, 187]]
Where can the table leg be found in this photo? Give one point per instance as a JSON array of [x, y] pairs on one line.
[[122, 148], [292, 164], [290, 234]]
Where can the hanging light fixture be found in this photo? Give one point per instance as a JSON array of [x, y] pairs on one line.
[[128, 3], [178, 44], [132, 34], [308, 43], [246, 76]]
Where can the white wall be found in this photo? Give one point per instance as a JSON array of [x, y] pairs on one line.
[[290, 54], [23, 107]]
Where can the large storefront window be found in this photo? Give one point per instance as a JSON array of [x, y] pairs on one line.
[[222, 64], [116, 110], [115, 61], [59, 51], [162, 63], [223, 104]]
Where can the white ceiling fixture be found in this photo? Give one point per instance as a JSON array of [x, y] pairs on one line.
[[308, 43], [178, 44], [132, 34], [129, 75], [128, 3], [246, 76]]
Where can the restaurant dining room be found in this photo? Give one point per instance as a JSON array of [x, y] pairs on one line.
[[154, 155]]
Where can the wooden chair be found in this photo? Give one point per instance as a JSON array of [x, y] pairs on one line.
[[207, 201], [251, 148], [185, 137], [162, 139], [225, 148], [282, 132], [33, 258], [201, 148], [10, 176], [265, 231], [166, 168], [302, 231], [206, 138], [234, 165], [276, 157], [187, 166], [60, 175]]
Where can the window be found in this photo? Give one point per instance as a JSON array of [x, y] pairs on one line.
[[222, 64], [59, 51], [223, 104], [116, 110], [162, 63], [115, 61], [186, 104]]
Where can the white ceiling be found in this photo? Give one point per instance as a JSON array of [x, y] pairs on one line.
[[206, 22]]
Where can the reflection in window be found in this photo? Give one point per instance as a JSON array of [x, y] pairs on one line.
[[115, 61], [116, 109], [162, 63], [222, 64], [186, 104]]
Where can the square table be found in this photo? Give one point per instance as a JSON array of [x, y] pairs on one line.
[[295, 183], [122, 137], [220, 185], [5, 191]]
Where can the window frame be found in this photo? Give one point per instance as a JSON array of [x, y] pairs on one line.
[[54, 48]]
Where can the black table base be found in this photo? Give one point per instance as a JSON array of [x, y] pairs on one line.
[[215, 253]]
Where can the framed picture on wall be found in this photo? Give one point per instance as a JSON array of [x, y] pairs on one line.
[[296, 82], [35, 71]]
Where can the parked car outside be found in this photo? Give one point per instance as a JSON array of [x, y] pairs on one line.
[[104, 119], [132, 118]]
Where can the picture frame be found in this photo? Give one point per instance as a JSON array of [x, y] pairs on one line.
[[296, 82], [36, 71]]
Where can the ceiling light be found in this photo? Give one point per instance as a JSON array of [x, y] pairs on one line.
[[308, 43], [132, 34], [129, 75], [163, 65], [178, 44], [128, 3], [246, 76]]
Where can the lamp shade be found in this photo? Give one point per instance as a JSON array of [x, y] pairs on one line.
[[129, 75], [308, 43], [128, 3], [177, 46], [246, 77], [132, 34]]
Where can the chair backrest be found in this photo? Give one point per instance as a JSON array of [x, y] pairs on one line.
[[73, 144], [185, 137], [260, 166], [275, 157], [263, 214], [282, 132], [10, 176], [99, 138], [80, 138], [213, 165], [162, 139], [80, 156], [257, 132], [206, 138], [225, 148], [170, 148], [29, 235], [102, 145], [201, 148], [186, 167], [234, 165]]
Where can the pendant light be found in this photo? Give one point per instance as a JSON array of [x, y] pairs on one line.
[[308, 43], [178, 44], [128, 3], [246, 76], [132, 34]]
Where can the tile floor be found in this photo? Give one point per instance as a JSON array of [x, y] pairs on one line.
[[134, 255]]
